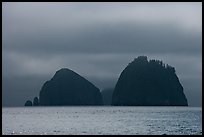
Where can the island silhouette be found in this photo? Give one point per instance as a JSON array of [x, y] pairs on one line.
[[69, 88], [148, 83], [141, 83]]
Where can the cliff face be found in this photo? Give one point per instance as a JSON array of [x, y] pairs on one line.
[[69, 88], [148, 83]]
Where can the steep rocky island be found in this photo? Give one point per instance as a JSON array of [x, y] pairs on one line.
[[69, 88], [148, 83]]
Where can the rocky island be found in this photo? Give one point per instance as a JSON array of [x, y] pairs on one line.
[[69, 88], [141, 83], [28, 103], [148, 83]]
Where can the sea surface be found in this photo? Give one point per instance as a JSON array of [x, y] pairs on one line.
[[100, 120]]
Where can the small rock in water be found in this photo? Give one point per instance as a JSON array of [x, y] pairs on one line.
[[56, 131]]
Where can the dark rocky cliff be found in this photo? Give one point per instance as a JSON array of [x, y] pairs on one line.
[[69, 88], [148, 83]]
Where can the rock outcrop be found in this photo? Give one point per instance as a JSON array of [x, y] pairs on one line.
[[35, 101], [28, 103], [148, 83], [69, 88]]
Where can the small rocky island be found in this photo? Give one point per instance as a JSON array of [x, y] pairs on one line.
[[35, 102], [148, 83], [69, 88], [28, 103]]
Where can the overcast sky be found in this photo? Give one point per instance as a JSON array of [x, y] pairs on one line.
[[97, 40]]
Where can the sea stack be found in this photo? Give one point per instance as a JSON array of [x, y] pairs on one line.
[[28, 103], [148, 83], [68, 88]]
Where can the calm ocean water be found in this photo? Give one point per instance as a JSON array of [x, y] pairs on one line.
[[102, 120]]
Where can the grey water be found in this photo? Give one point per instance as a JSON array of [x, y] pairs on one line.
[[102, 120]]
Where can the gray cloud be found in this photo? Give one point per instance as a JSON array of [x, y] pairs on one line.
[[102, 27], [103, 38], [97, 40]]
